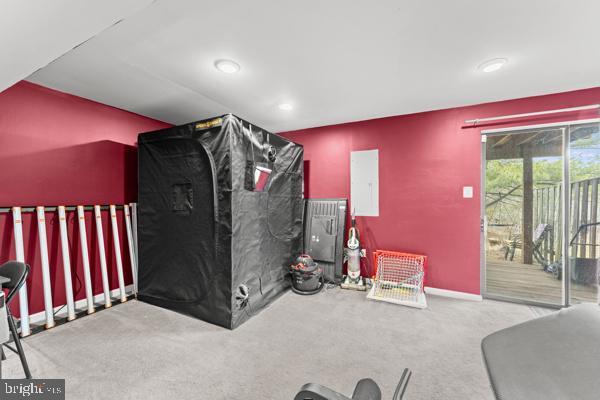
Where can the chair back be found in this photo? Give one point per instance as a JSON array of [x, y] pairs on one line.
[[17, 272]]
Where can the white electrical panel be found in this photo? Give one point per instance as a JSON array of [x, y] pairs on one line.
[[364, 183]]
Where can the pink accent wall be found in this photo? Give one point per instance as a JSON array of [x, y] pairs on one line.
[[424, 161], [56, 149]]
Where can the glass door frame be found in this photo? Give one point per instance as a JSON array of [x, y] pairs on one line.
[[565, 204]]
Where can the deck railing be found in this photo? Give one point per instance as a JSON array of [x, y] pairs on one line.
[[584, 210]]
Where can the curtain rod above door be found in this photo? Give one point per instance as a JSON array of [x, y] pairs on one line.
[[532, 114], [540, 126]]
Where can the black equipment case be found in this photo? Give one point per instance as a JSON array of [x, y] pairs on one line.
[[324, 229], [219, 218]]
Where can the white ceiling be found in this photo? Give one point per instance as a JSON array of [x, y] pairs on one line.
[[36, 32], [335, 60]]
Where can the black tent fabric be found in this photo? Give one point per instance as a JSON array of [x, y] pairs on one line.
[[219, 218]]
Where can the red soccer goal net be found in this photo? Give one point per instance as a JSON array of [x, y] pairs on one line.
[[399, 278]]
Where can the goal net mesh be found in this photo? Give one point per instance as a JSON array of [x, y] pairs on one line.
[[399, 278]]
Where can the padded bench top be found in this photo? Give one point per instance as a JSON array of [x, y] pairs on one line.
[[554, 357]]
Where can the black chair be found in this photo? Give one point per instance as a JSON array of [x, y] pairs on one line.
[[366, 389], [17, 273]]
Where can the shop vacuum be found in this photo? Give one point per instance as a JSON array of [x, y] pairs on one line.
[[307, 276]]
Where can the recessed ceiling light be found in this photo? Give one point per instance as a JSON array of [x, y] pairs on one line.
[[285, 106], [227, 66], [492, 65]]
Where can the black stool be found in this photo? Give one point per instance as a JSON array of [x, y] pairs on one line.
[[17, 273]]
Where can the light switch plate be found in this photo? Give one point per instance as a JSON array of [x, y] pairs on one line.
[[468, 192]]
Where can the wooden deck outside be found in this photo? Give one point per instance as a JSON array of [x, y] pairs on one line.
[[530, 282]]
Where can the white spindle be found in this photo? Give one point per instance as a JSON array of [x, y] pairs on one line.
[[41, 217], [101, 252]]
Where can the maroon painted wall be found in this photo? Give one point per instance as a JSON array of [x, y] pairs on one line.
[[58, 149], [424, 161]]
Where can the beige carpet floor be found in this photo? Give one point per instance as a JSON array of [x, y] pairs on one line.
[[138, 351]]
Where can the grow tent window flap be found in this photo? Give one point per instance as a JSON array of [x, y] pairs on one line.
[[182, 198], [261, 178]]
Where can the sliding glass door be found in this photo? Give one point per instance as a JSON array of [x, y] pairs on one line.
[[523, 209], [532, 251], [583, 246]]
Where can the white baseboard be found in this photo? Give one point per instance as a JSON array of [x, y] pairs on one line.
[[453, 294], [80, 305]]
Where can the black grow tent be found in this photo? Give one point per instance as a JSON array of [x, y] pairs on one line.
[[219, 218]]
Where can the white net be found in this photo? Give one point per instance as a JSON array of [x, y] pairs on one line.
[[399, 279]]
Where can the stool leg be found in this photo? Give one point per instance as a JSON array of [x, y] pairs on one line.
[[17, 340]]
